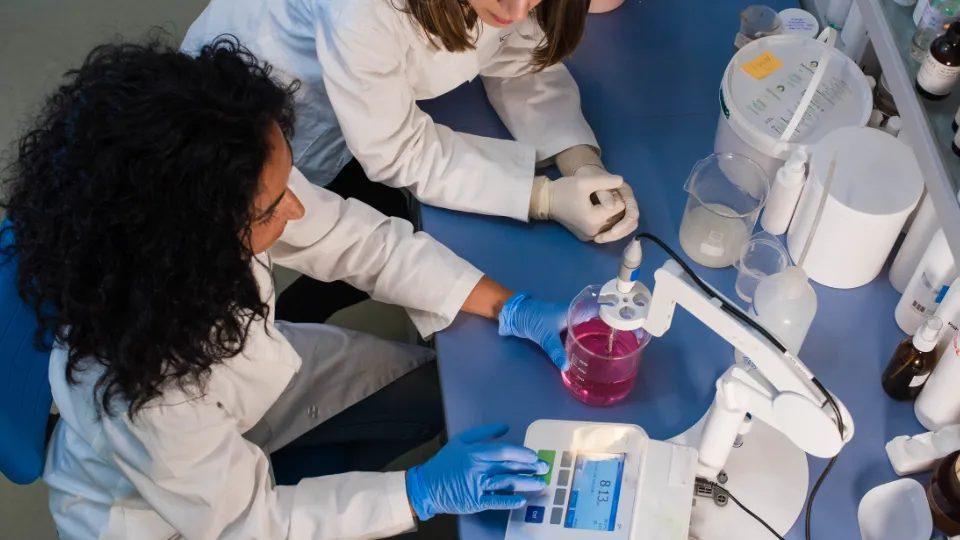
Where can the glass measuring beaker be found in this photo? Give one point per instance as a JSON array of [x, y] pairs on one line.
[[726, 193], [763, 255], [603, 361]]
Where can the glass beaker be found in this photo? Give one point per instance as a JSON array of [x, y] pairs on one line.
[[727, 192], [757, 22], [763, 255], [603, 361]]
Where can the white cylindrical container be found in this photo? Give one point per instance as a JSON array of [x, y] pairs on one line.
[[911, 251], [799, 22], [784, 195], [876, 184], [752, 122], [893, 125], [918, 11], [854, 35], [938, 405], [876, 119], [928, 285]]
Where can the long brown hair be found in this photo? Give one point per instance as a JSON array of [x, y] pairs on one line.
[[450, 24]]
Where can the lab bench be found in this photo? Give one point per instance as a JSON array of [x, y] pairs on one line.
[[648, 75]]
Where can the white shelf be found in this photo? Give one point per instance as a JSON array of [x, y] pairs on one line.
[[927, 123]]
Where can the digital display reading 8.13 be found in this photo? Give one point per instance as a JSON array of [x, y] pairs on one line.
[[596, 492]]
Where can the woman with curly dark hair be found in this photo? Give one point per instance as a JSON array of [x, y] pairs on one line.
[[147, 205]]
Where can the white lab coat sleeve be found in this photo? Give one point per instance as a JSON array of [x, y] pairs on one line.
[[541, 109], [346, 240], [191, 465], [396, 142]]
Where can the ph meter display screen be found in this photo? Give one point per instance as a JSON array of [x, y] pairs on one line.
[[595, 493]]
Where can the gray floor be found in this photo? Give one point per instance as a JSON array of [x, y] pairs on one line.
[[39, 41]]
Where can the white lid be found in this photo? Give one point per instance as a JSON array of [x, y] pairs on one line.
[[895, 511], [799, 22], [759, 119], [876, 173]]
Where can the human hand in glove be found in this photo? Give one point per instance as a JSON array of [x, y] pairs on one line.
[[468, 474], [568, 202], [622, 224], [538, 321]]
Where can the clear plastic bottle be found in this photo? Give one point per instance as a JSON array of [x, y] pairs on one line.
[[785, 304], [912, 362], [936, 16]]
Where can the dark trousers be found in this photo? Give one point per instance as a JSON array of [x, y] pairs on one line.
[[369, 435], [309, 300], [401, 416]]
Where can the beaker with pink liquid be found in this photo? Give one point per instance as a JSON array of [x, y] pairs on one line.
[[603, 361]]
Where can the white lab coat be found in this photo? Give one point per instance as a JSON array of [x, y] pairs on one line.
[[365, 63], [196, 467]]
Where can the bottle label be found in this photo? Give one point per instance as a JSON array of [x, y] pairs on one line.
[[931, 17], [919, 380], [741, 40], [928, 295], [936, 78], [713, 246]]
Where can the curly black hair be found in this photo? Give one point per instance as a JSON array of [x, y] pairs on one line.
[[131, 200]]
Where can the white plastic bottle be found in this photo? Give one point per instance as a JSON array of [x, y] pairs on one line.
[[938, 404], [921, 232], [785, 304], [949, 313], [853, 37], [836, 13], [928, 285], [784, 194]]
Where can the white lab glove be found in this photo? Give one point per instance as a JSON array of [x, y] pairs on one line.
[[568, 202], [584, 160], [630, 218]]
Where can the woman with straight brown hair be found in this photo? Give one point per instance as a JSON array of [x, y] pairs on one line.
[[362, 66]]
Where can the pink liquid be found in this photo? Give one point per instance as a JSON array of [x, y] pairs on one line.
[[594, 378]]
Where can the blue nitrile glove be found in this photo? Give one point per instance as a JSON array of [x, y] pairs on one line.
[[538, 321], [468, 474]]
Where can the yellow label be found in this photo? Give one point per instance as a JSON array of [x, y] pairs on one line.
[[763, 65]]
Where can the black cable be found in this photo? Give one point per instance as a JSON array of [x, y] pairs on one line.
[[736, 312], [726, 306], [744, 508]]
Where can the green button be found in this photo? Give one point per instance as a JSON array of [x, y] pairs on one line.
[[548, 456]]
